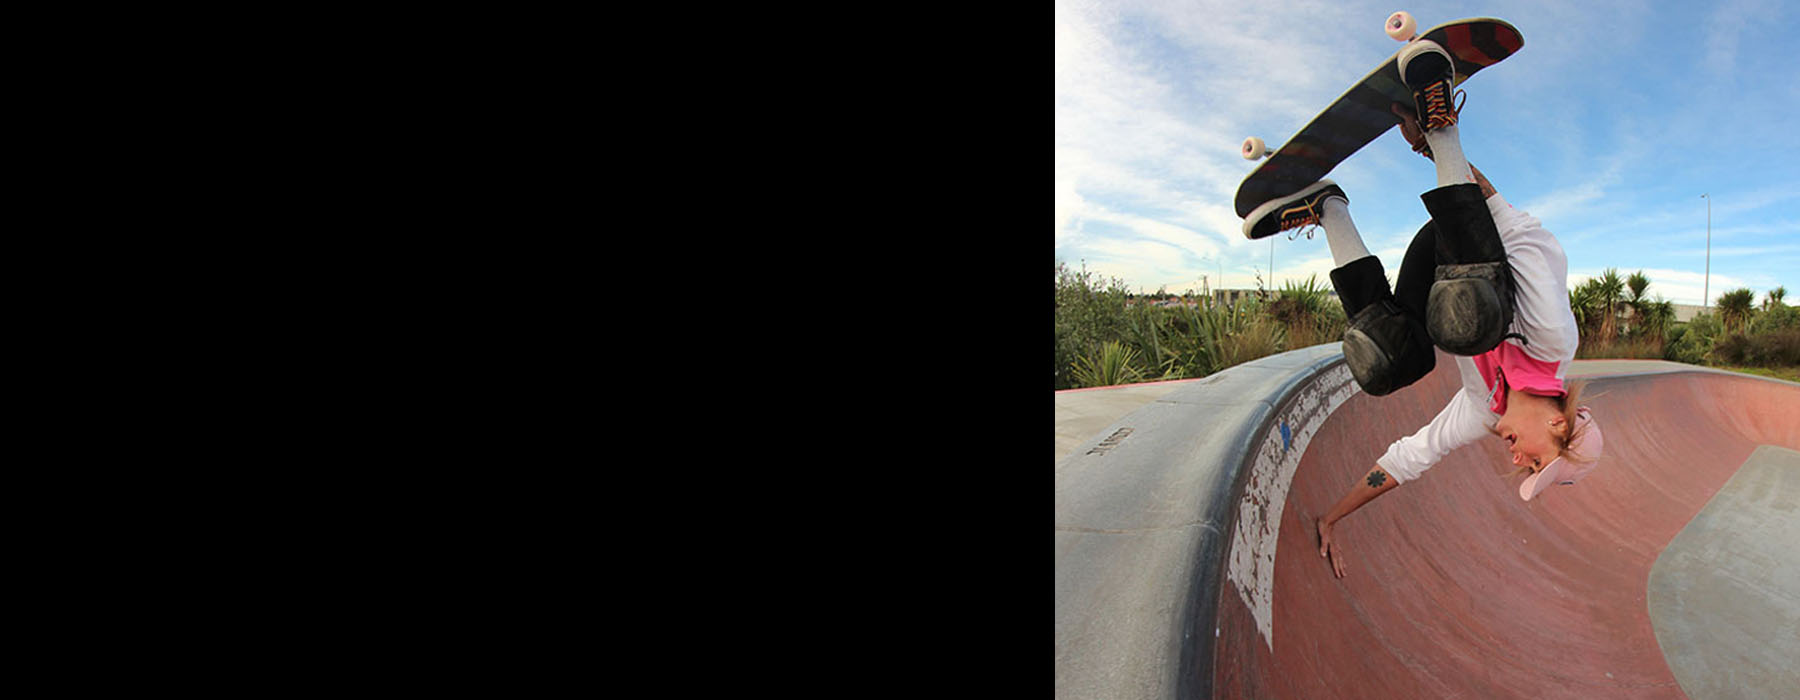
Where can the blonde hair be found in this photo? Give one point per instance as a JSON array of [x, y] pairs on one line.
[[1570, 403]]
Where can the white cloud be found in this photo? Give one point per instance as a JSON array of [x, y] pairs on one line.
[[1153, 97], [1147, 133]]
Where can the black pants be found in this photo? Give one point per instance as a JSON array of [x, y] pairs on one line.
[[1362, 282], [1417, 270], [1460, 231]]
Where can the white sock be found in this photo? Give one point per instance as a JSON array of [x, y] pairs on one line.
[[1446, 151], [1340, 232]]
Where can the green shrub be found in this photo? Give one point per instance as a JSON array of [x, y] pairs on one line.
[[1106, 336], [1775, 318], [1778, 348], [1113, 364], [1691, 342], [1308, 314], [1261, 337], [1770, 338], [1089, 311], [1730, 350]]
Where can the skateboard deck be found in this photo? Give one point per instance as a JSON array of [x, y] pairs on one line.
[[1361, 114]]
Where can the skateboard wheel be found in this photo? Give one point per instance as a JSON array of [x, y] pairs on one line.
[[1254, 148], [1401, 27]]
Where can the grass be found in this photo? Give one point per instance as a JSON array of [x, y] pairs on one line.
[[1791, 374], [1619, 350]]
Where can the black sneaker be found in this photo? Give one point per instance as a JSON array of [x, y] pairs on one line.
[[1427, 70], [1293, 211]]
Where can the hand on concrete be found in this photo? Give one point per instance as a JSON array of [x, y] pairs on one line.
[[1329, 549]]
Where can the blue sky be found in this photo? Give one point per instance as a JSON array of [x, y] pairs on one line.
[[1608, 125]]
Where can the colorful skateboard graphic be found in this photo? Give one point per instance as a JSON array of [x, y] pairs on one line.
[[1362, 114]]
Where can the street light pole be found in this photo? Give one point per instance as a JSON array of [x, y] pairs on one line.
[[1706, 287]]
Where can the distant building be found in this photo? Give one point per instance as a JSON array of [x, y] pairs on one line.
[[1232, 296], [1214, 298], [1687, 312], [1228, 297]]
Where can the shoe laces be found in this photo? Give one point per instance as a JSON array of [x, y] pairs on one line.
[[1304, 217], [1443, 104]]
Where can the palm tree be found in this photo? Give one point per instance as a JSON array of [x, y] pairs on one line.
[[1581, 301], [1735, 307], [1774, 298], [1637, 283], [1635, 301], [1607, 294], [1658, 316]]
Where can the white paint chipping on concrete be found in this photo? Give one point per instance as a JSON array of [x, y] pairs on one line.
[[1252, 560]]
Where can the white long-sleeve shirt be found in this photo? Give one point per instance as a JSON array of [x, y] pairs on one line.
[[1540, 313]]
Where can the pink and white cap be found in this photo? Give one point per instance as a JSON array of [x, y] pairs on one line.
[[1586, 448]]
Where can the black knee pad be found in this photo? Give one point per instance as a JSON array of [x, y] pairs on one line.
[[1470, 306], [1386, 349]]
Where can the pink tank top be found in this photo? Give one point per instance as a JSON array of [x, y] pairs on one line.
[[1508, 367]]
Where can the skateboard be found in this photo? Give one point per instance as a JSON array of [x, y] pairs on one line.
[[1360, 115]]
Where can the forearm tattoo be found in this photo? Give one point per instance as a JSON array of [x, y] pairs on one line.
[[1376, 479]]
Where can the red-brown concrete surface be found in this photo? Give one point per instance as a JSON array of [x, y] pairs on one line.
[[1456, 588]]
